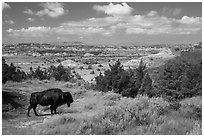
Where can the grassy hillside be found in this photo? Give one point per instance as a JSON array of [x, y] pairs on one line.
[[94, 112]]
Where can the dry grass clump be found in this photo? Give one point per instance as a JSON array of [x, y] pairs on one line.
[[110, 103], [192, 102], [89, 106], [192, 107], [197, 129], [57, 125], [141, 115], [130, 113], [78, 93], [112, 96]]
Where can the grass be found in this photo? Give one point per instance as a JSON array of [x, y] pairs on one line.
[[97, 113], [139, 116]]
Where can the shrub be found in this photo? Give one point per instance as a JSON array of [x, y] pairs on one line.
[[11, 73], [56, 125], [60, 73], [40, 74], [92, 72], [127, 117], [197, 129], [174, 127], [100, 65], [112, 96], [192, 107], [110, 103], [181, 77], [89, 106], [89, 67], [81, 67]]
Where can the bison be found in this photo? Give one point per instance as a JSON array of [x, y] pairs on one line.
[[54, 97]]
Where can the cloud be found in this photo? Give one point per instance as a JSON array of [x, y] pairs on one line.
[[11, 22], [191, 20], [5, 6], [163, 25], [169, 12], [114, 10], [132, 25], [50, 9], [151, 23], [28, 11], [93, 22], [53, 10], [40, 31], [31, 19]]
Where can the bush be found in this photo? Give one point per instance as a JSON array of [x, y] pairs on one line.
[[192, 107], [89, 67], [197, 129], [112, 96], [11, 73], [40, 74], [130, 115], [92, 72], [181, 77], [55, 126], [81, 67], [100, 65], [60, 73]]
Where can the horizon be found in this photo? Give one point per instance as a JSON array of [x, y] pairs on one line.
[[115, 44], [102, 22]]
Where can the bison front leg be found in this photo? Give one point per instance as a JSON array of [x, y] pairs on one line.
[[55, 110], [51, 109], [29, 108], [34, 109]]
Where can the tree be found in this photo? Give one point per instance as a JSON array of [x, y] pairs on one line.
[[181, 78], [125, 82], [5, 73], [111, 78], [146, 86], [11, 73]]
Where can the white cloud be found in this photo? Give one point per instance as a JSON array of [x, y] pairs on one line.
[[152, 13], [31, 19], [114, 10], [163, 25], [93, 22], [135, 30], [51, 9], [191, 20], [5, 6], [40, 31], [28, 11], [9, 30], [148, 24], [11, 22]]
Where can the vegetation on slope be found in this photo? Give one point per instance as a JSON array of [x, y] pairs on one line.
[[169, 104]]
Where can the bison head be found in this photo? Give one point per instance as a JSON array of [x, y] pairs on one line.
[[68, 98]]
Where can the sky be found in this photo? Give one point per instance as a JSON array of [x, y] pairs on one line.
[[102, 22]]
